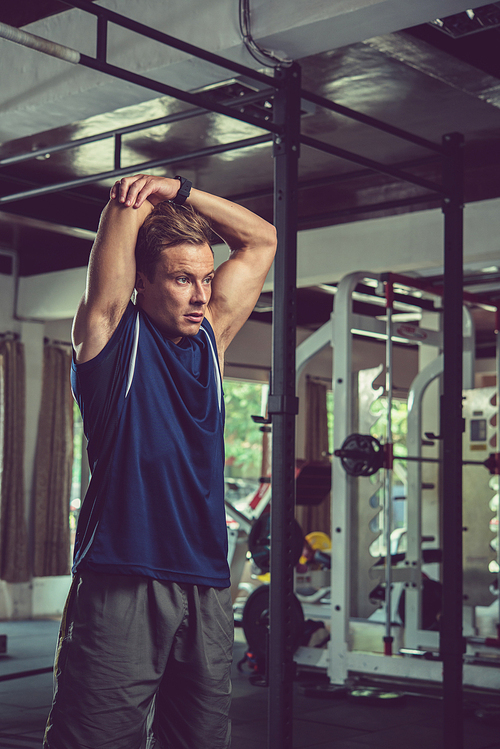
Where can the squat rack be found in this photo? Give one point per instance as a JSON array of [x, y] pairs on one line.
[[284, 131]]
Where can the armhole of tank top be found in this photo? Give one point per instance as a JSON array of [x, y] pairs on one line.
[[133, 355], [216, 369]]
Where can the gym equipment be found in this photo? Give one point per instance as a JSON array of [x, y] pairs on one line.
[[259, 542], [431, 600], [255, 623], [313, 481], [361, 455], [355, 505], [364, 455]]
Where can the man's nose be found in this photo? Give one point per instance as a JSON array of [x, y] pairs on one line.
[[201, 293]]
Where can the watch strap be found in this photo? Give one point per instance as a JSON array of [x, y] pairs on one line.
[[183, 192]]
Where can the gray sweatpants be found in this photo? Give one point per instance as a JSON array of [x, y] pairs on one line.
[[126, 641]]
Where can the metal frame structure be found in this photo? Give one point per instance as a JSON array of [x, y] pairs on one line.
[[285, 130], [338, 332]]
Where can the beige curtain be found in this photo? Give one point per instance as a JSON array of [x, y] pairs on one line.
[[53, 466], [315, 517], [14, 565]]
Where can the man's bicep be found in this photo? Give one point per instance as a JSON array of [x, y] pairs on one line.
[[236, 288], [93, 327]]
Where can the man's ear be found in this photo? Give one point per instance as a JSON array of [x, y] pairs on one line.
[[140, 282]]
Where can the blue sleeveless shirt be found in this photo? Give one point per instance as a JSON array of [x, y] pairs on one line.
[[153, 415]]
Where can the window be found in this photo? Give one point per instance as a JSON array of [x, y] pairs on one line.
[[399, 428], [77, 490], [244, 439]]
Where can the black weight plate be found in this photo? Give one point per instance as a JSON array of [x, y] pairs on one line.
[[259, 542], [367, 455], [255, 621], [432, 592]]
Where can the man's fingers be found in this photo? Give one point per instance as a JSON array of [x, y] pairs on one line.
[[125, 190], [133, 191]]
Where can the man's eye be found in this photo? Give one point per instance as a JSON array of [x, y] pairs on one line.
[[182, 279]]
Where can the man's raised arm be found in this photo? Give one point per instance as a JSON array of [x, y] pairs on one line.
[[110, 277]]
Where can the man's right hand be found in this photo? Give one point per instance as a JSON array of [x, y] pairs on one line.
[[133, 191]]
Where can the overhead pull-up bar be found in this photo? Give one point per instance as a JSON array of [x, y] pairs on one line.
[[170, 41], [142, 167], [67, 54]]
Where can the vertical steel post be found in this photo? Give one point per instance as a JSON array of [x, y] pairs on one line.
[[283, 409], [102, 38], [451, 639], [497, 448], [389, 304]]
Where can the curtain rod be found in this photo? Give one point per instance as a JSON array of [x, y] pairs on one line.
[[56, 342], [10, 334]]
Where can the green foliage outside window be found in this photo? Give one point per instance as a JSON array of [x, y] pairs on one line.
[[243, 437], [399, 418]]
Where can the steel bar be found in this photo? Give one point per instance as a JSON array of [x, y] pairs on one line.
[[425, 284], [359, 455], [371, 121], [142, 167], [497, 447], [69, 55], [24, 38], [282, 408], [102, 37], [26, 674], [368, 208], [201, 100], [118, 151], [170, 41], [125, 130], [451, 639], [388, 469], [370, 164]]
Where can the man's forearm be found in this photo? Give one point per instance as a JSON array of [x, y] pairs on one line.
[[111, 269], [236, 225]]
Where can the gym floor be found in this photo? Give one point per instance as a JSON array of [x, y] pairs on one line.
[[413, 723]]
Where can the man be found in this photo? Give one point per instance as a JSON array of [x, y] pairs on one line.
[[149, 616]]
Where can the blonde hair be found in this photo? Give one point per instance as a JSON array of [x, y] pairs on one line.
[[168, 225]]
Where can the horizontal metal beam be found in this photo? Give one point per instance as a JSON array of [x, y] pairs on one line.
[[134, 168], [170, 41], [370, 164], [27, 222], [174, 117], [386, 205], [371, 121], [198, 100], [78, 58]]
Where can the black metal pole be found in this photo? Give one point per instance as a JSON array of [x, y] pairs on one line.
[[451, 639], [283, 408]]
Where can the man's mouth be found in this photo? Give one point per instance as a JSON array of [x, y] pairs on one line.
[[194, 317]]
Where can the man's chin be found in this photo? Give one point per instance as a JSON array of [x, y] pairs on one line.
[[191, 327]]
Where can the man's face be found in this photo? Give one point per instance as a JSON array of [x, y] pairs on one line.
[[177, 298]]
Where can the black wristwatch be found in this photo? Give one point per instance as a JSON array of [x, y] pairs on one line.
[[183, 192]]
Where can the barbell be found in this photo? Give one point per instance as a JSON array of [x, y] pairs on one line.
[[364, 455]]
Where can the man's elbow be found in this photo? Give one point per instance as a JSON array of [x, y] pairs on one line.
[[272, 239]]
